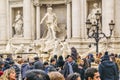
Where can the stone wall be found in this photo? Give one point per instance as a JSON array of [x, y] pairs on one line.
[[72, 13]]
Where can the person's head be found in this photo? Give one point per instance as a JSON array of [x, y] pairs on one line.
[[70, 59], [36, 58], [112, 58], [60, 57], [82, 62], [92, 74], [9, 74], [116, 55], [56, 76], [36, 75], [74, 53], [55, 56], [73, 76], [12, 74], [106, 56], [100, 55], [73, 49], [49, 9], [53, 61], [66, 58], [46, 64], [78, 57]]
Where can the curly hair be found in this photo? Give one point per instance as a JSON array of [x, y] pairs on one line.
[[6, 74]]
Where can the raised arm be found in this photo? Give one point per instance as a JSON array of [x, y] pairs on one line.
[[43, 18]]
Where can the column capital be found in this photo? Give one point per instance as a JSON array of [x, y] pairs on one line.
[[36, 2], [68, 1]]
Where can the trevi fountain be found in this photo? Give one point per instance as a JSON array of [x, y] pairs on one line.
[[52, 27]]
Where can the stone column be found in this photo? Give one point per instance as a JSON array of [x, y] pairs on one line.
[[3, 20], [27, 19], [107, 15], [38, 21], [83, 10], [117, 19], [76, 18], [68, 20]]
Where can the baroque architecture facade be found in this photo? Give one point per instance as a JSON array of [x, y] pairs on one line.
[[20, 21]]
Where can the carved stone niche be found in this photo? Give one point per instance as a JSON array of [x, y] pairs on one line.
[[17, 18], [14, 7], [59, 8]]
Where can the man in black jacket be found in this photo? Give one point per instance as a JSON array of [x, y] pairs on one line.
[[70, 66], [107, 68]]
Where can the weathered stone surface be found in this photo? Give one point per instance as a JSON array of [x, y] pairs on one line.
[[71, 18]]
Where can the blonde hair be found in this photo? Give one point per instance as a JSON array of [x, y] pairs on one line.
[[56, 76], [6, 74]]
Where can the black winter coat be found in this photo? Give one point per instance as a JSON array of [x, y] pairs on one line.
[[108, 70]]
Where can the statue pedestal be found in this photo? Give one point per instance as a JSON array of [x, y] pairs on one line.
[[20, 40]]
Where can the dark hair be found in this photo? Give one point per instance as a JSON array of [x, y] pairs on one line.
[[36, 58], [52, 60], [60, 57], [74, 53], [36, 75], [19, 57], [116, 55], [60, 62], [106, 53], [55, 56], [90, 73], [73, 76], [45, 63], [67, 57]]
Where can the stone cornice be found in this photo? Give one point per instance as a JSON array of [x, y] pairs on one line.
[[50, 2], [15, 2]]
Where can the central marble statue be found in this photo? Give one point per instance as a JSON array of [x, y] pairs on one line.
[[51, 22]]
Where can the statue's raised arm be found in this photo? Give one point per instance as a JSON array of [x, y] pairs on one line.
[[43, 19], [51, 22]]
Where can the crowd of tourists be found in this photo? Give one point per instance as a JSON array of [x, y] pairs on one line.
[[102, 66]]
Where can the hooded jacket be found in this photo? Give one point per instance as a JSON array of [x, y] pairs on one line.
[[108, 70]]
